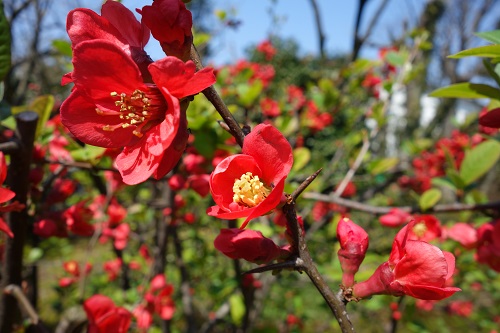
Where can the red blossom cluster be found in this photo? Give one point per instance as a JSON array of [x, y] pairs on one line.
[[431, 164]]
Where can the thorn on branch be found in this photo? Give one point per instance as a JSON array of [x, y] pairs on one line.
[[305, 184], [296, 264]]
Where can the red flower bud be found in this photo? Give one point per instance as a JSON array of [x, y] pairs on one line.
[[353, 245], [247, 244]]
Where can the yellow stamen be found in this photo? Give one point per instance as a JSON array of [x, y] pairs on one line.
[[420, 229], [249, 190]]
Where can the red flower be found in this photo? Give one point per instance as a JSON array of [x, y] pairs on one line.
[[395, 218], [77, 219], [490, 119], [425, 228], [414, 268], [267, 48], [5, 195], [170, 23], [488, 249], [353, 245], [200, 184], [104, 316], [112, 107], [251, 184], [270, 107], [247, 244], [463, 233]]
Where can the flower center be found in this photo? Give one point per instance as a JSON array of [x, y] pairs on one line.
[[141, 110], [420, 229], [249, 190]]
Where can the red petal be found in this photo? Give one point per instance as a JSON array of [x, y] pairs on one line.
[[272, 200], [271, 151], [218, 212], [84, 24], [79, 116], [102, 67], [124, 21], [6, 195], [429, 292], [491, 119], [5, 228], [423, 264], [136, 164], [181, 79]]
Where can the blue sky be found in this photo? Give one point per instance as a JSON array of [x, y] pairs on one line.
[[295, 21]]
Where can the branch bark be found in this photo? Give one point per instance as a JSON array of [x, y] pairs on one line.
[[18, 181]]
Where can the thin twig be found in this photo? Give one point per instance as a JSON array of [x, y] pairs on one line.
[[299, 245], [214, 98], [444, 208], [23, 302], [295, 264], [305, 184]]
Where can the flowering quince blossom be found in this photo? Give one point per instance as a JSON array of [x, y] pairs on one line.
[[463, 233], [251, 184], [248, 244], [415, 268], [488, 249], [104, 316], [114, 104], [491, 118], [395, 218], [353, 245], [170, 23]]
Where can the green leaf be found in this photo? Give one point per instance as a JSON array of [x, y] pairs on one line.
[[479, 160], [488, 51], [63, 47], [205, 142], [491, 70], [34, 255], [42, 105], [444, 182], [249, 93], [467, 90], [382, 165], [88, 153], [395, 58], [237, 308], [5, 52], [455, 178], [429, 198], [490, 36], [301, 156]]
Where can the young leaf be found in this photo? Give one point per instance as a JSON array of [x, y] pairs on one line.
[[4, 44], [479, 160], [301, 156], [383, 165], [488, 51], [429, 198], [490, 36], [467, 90]]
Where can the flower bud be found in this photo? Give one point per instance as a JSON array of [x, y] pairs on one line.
[[353, 245]]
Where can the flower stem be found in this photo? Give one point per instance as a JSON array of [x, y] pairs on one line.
[[213, 96], [300, 246]]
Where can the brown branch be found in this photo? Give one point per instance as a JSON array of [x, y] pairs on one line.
[[214, 98], [319, 28], [444, 208], [305, 184], [18, 179], [299, 245]]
